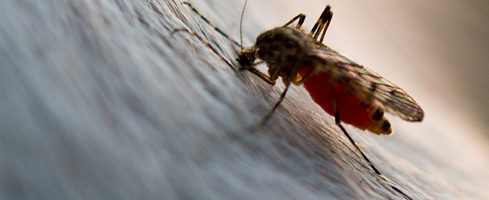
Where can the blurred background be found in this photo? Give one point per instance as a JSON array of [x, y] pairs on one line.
[[98, 100]]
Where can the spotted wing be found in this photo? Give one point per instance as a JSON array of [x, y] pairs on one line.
[[368, 85]]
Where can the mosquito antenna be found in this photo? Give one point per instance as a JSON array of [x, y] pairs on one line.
[[241, 26]]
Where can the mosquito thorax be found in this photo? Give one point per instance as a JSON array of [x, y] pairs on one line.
[[283, 46]]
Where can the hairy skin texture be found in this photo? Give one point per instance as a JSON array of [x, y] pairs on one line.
[[98, 100]]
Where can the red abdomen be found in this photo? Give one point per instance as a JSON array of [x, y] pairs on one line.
[[350, 108]]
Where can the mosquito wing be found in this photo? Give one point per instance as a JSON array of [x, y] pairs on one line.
[[368, 85]]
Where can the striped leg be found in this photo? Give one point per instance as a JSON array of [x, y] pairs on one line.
[[204, 42], [212, 25]]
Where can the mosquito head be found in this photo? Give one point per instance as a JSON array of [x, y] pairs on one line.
[[247, 57]]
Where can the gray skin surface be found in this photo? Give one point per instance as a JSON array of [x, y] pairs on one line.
[[98, 100]]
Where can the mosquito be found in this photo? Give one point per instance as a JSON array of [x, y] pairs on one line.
[[345, 89]]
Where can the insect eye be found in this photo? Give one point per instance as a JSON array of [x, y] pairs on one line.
[[260, 53]]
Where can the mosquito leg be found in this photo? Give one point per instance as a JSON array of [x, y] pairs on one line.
[[330, 16], [282, 96], [260, 74], [320, 19], [338, 123], [380, 175], [204, 42], [322, 23], [326, 28], [301, 18], [211, 24]]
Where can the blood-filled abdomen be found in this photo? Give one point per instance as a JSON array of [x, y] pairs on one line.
[[350, 108]]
